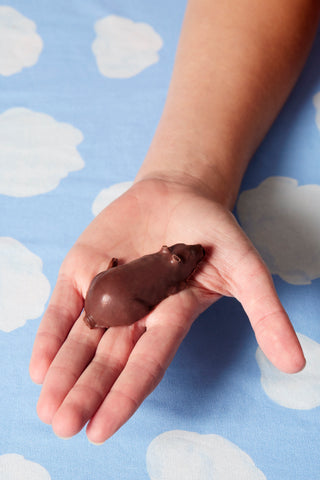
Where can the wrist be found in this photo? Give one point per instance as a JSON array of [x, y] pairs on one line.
[[179, 158]]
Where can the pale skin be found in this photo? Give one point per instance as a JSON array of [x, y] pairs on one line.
[[235, 67]]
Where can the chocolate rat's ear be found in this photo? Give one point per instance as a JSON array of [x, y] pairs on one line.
[[113, 263], [175, 258], [164, 249]]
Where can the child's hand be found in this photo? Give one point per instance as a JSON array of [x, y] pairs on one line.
[[102, 377]]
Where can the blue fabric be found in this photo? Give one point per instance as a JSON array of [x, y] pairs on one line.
[[213, 385]]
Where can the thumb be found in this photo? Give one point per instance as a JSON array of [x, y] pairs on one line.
[[270, 322]]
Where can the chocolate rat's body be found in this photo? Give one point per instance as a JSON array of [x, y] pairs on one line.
[[123, 294]]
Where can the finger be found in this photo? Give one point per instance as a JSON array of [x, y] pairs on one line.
[[89, 391], [67, 366], [64, 308], [273, 329], [145, 367]]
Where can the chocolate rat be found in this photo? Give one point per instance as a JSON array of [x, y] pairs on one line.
[[125, 293]]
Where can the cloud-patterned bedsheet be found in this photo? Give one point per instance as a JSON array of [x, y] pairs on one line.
[[82, 88]]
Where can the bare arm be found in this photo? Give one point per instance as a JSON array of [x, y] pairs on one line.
[[236, 63]]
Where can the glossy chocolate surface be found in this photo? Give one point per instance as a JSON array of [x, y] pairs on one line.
[[126, 293]]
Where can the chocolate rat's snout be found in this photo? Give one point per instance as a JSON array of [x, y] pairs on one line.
[[188, 253], [197, 251]]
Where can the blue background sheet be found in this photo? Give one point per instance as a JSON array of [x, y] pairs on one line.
[[71, 127]]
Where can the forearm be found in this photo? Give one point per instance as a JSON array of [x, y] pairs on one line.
[[235, 66]]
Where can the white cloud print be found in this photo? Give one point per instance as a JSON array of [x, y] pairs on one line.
[[108, 195], [16, 467], [20, 45], [36, 152], [24, 288], [300, 391], [124, 48], [283, 221], [179, 454]]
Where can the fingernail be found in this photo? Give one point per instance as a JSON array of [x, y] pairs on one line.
[[63, 438], [96, 444]]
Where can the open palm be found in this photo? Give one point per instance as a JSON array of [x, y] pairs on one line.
[[102, 377]]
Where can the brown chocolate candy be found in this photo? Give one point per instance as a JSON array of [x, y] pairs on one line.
[[125, 293]]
